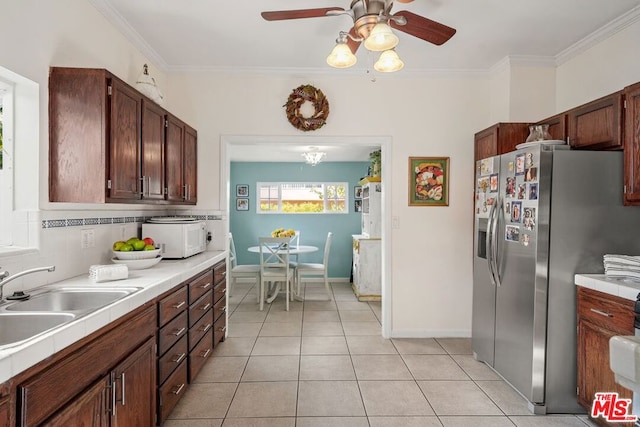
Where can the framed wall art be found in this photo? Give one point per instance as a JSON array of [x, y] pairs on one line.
[[242, 190], [242, 204], [428, 181], [357, 192]]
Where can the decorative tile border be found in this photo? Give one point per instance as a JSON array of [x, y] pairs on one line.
[[79, 222]]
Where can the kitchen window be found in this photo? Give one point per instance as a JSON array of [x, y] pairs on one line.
[[302, 197], [6, 166]]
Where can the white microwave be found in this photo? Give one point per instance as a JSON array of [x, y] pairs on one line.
[[177, 239]]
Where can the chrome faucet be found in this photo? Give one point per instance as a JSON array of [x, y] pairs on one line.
[[5, 276]]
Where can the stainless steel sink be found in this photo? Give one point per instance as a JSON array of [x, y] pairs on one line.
[[74, 300], [18, 327]]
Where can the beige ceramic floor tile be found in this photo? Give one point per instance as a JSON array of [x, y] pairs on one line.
[[362, 328], [192, 405], [274, 346], [234, 347], [380, 367], [266, 399], [434, 367], [222, 370], [272, 368], [332, 422], [329, 398], [352, 305], [324, 345], [321, 316], [478, 371], [402, 421], [547, 421], [193, 423], [284, 316], [456, 345], [503, 395], [320, 305], [394, 398], [289, 329], [322, 329], [357, 316], [483, 421], [326, 368], [260, 422], [458, 398], [247, 317], [244, 330], [370, 345], [418, 346]]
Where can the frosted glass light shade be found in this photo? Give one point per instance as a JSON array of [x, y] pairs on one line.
[[388, 62], [313, 157], [381, 38], [341, 56]]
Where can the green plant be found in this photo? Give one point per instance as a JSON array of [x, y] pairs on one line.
[[376, 162]]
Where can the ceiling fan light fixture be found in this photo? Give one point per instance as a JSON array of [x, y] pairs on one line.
[[314, 156], [341, 56], [388, 62], [381, 38]]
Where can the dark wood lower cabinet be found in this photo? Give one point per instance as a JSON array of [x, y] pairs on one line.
[[5, 412], [88, 409]]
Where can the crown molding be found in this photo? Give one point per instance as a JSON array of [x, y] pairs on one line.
[[121, 24], [599, 35]]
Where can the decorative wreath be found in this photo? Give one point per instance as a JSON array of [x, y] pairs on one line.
[[299, 96]]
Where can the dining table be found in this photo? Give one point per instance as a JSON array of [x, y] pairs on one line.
[[293, 250]]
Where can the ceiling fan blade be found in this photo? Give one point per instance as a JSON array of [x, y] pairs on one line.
[[423, 28], [279, 15], [353, 44]]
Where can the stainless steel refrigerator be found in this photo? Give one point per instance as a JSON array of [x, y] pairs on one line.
[[542, 214]]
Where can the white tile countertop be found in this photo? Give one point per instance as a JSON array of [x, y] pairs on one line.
[[153, 282], [620, 287]]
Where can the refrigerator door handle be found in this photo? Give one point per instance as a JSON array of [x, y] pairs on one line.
[[489, 244], [494, 243]]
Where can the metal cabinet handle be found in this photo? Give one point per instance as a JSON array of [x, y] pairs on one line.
[[184, 192], [141, 179], [180, 387], [206, 353], [176, 306], [179, 331], [123, 387], [206, 327], [206, 285], [206, 307], [179, 358], [114, 410], [602, 313]]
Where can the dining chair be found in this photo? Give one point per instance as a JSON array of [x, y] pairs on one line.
[[243, 270], [274, 265], [295, 242], [314, 269]]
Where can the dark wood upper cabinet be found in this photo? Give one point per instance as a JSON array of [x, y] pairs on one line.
[[557, 126], [108, 142], [181, 164], [597, 124], [632, 145], [499, 139], [191, 164]]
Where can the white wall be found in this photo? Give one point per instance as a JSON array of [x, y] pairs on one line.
[[603, 69]]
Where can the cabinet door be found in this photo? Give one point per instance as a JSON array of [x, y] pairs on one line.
[[191, 164], [594, 374], [133, 389], [486, 143], [632, 145], [598, 124], [5, 414], [176, 192], [87, 410], [124, 167], [153, 134]]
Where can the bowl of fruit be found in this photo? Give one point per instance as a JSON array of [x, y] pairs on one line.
[[135, 249]]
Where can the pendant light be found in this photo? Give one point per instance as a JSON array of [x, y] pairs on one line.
[[341, 55], [381, 38], [388, 62]]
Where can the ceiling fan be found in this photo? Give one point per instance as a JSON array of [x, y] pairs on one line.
[[366, 14]]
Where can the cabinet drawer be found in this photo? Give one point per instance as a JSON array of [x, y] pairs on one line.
[[172, 305], [219, 272], [219, 291], [171, 391], [199, 355], [201, 327], [607, 311], [199, 308], [219, 309], [199, 286], [219, 329], [172, 332], [172, 359]]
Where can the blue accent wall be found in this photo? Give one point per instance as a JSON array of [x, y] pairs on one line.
[[247, 226]]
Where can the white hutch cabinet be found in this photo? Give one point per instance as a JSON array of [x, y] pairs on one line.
[[367, 247]]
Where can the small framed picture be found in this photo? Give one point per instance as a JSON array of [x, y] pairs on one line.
[[357, 192], [242, 190], [429, 181], [357, 205], [242, 204]]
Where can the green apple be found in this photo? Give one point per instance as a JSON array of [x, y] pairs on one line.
[[138, 245], [149, 248], [126, 248], [117, 245]]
